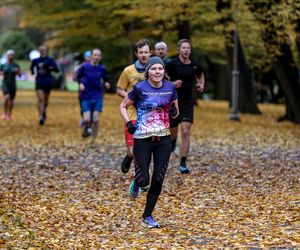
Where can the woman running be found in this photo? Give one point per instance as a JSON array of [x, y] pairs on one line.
[[154, 99]]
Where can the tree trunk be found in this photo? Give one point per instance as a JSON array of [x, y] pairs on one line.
[[298, 35], [183, 28], [247, 93], [287, 73], [183, 25], [221, 78], [283, 63]]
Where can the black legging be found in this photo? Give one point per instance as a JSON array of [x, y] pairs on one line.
[[143, 149]]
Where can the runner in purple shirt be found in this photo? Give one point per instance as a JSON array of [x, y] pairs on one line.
[[91, 76], [154, 99]]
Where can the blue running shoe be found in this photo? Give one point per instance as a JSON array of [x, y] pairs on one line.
[[184, 169], [134, 190], [150, 222]]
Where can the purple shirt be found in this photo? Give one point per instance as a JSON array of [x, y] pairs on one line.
[[91, 77], [152, 105]]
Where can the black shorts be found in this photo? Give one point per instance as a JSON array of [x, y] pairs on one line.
[[9, 90], [186, 113], [45, 88]]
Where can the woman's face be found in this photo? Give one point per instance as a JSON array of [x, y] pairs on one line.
[[156, 73]]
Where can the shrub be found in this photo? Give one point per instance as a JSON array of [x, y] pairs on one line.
[[18, 41]]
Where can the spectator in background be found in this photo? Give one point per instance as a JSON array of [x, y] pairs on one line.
[[43, 67], [10, 70]]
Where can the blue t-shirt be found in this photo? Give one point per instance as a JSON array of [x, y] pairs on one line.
[[44, 66], [91, 77], [152, 105]]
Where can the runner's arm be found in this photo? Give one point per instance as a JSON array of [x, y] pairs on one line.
[[32, 67], [200, 83], [177, 83], [122, 84], [53, 66], [19, 73], [123, 109], [121, 92]]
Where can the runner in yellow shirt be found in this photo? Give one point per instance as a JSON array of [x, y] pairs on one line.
[[130, 76]]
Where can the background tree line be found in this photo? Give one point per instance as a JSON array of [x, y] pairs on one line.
[[268, 37]]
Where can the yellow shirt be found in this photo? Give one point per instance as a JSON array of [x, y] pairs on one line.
[[129, 77]]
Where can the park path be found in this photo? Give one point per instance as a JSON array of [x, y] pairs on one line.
[[58, 191]]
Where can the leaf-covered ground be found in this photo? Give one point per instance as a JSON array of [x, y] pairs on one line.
[[59, 191]]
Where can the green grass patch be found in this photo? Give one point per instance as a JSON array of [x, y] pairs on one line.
[[30, 85], [24, 64]]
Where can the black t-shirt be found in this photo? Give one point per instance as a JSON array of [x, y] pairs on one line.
[[186, 73]]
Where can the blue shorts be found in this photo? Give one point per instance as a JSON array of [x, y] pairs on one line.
[[92, 105]]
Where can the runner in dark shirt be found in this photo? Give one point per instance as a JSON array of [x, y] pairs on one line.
[[184, 72], [43, 67]]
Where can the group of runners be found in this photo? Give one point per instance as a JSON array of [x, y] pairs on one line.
[[157, 96], [152, 108], [41, 67]]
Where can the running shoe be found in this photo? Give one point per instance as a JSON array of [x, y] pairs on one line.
[[125, 165], [150, 222], [184, 169], [144, 189], [134, 189], [86, 132], [42, 121], [89, 130]]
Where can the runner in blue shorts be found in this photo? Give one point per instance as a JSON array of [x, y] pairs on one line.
[[91, 76]]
